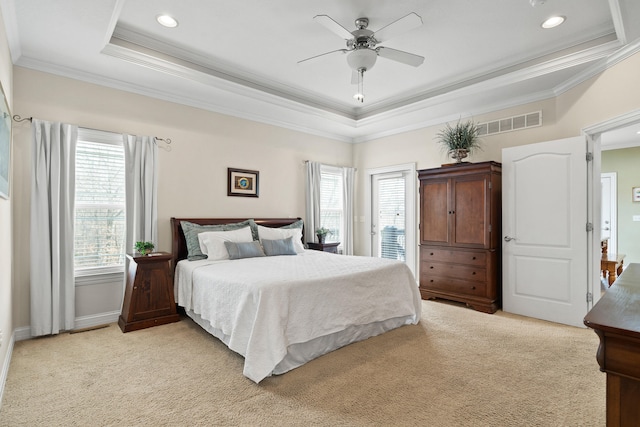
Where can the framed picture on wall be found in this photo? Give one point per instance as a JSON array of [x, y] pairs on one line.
[[242, 182], [5, 146], [635, 194]]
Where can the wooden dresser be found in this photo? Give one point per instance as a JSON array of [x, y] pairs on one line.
[[616, 320], [460, 228], [148, 295]]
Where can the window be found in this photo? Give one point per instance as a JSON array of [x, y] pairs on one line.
[[100, 203], [391, 217], [331, 202]]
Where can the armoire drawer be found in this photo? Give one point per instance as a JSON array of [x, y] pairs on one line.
[[454, 271], [430, 253], [453, 286]]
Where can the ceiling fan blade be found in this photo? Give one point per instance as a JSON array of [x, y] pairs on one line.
[[402, 25], [323, 54], [400, 56], [333, 26]]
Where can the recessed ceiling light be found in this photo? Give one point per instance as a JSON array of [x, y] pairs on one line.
[[167, 21], [554, 21]]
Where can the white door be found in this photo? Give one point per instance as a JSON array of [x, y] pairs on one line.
[[609, 207], [546, 254], [392, 202]]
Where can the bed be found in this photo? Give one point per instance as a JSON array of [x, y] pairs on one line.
[[279, 312]]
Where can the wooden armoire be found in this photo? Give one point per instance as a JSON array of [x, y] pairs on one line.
[[460, 229]]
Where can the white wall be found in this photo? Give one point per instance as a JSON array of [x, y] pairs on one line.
[[193, 175], [614, 92], [6, 254]]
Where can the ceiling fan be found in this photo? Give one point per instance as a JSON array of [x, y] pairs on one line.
[[362, 46]]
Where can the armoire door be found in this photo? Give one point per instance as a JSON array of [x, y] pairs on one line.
[[470, 211], [435, 213]]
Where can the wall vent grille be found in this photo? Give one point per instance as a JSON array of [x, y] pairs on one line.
[[510, 124]]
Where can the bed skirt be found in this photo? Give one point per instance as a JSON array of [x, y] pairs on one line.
[[301, 353]]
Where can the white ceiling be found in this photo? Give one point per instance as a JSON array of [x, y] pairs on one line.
[[240, 57]]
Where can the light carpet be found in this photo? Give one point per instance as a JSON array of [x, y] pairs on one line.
[[457, 367]]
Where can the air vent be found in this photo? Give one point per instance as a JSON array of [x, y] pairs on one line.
[[509, 124]]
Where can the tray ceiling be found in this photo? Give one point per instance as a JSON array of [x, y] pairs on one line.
[[241, 58]]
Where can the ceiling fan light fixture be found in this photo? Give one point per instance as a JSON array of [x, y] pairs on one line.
[[553, 22], [362, 58], [167, 21]]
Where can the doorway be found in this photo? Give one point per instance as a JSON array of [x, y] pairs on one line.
[[391, 217], [609, 210]]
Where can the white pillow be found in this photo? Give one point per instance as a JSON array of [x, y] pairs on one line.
[[268, 233], [212, 242]]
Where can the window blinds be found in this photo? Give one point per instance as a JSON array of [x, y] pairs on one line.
[[100, 205], [391, 218]]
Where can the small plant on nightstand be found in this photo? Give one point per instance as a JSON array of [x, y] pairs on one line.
[[144, 248], [322, 234]]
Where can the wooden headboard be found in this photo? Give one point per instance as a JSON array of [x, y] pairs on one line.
[[179, 244]]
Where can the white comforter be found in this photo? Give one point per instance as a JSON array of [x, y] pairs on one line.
[[264, 305]]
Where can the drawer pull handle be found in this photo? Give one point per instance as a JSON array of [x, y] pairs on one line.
[[473, 274], [431, 267], [473, 258], [473, 288], [431, 280], [431, 254]]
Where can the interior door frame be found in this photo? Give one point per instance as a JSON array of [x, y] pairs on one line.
[[410, 210], [594, 132]]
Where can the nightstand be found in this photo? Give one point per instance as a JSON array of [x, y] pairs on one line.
[[324, 247], [148, 296]]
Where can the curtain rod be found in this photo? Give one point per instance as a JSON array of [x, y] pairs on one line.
[[19, 119], [304, 162]]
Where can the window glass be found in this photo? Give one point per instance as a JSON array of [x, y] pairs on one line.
[[100, 204], [331, 203]]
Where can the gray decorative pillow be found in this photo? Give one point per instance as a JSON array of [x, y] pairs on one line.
[[239, 250], [279, 247], [192, 230], [298, 224]]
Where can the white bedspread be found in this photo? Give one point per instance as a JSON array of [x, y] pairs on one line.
[[264, 305]]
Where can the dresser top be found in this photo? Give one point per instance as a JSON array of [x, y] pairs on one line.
[[618, 310]]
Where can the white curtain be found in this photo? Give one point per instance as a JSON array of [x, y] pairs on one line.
[[52, 230], [312, 220], [348, 182], [141, 182]]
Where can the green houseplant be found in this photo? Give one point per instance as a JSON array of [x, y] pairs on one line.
[[322, 233], [144, 248], [459, 140]]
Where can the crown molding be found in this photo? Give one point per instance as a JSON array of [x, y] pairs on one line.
[[281, 118], [603, 64], [140, 48], [253, 104]]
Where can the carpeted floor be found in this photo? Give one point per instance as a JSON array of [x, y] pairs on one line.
[[457, 367]]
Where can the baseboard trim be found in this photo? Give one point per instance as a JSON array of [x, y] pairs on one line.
[[96, 320], [22, 333], [83, 322], [5, 367]]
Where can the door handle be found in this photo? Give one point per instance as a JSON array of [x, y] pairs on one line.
[[508, 239], [606, 229]]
